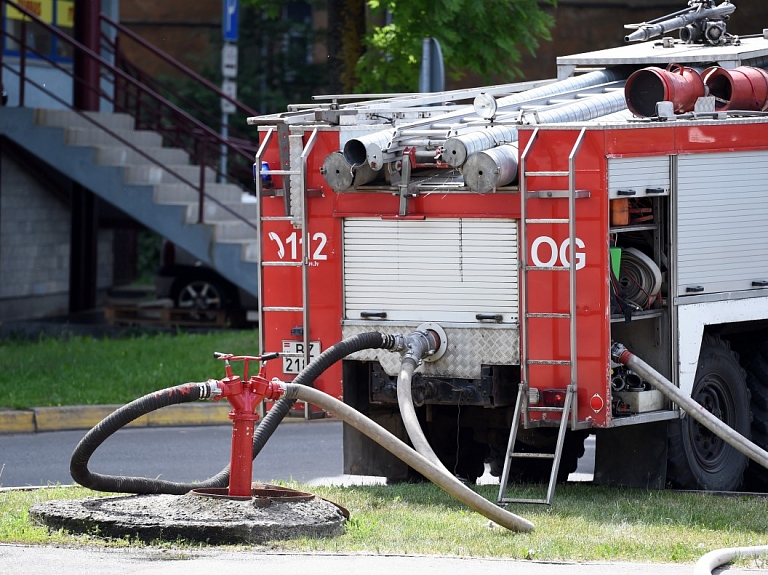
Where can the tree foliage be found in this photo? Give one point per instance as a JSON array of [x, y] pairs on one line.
[[483, 37]]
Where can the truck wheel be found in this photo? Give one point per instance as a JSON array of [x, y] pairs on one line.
[[697, 458], [756, 364]]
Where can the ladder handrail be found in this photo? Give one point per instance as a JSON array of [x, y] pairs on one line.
[[572, 264], [305, 250], [259, 219], [524, 268]]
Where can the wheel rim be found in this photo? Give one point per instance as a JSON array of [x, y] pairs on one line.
[[200, 295], [710, 451]]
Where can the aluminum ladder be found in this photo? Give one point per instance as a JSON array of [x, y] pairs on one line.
[[294, 198], [522, 404]]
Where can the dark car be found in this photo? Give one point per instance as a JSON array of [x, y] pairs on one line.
[[191, 284]]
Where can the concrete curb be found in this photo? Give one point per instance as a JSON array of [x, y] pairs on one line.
[[66, 418]]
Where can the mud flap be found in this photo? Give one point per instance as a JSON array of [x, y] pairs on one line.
[[632, 456]]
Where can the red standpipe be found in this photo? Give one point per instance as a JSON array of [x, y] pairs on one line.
[[244, 399]]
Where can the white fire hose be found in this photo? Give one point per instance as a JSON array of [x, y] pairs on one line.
[[713, 559], [434, 473]]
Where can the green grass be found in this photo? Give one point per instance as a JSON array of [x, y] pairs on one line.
[[89, 371], [586, 523]]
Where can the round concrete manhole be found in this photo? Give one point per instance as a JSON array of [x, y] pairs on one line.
[[213, 520]]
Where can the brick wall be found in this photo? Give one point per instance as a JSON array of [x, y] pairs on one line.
[[34, 247]]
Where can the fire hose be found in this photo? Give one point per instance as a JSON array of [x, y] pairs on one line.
[[290, 392], [188, 393], [713, 559]]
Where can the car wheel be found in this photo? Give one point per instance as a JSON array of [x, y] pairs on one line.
[[200, 295]]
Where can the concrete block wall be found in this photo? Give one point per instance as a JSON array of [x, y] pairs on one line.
[[34, 247]]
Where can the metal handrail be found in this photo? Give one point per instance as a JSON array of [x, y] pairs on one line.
[[204, 133], [178, 65]]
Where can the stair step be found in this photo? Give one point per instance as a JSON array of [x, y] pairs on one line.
[[184, 194], [213, 212], [251, 251], [71, 119], [151, 174], [234, 231], [122, 156], [95, 137]]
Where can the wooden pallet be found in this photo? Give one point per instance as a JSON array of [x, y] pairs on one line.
[[163, 316]]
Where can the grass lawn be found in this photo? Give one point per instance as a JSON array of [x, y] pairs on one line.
[[585, 523], [89, 371]]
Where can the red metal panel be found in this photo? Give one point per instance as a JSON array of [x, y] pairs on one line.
[[720, 138], [641, 141]]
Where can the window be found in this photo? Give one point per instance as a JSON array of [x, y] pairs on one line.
[[41, 43]]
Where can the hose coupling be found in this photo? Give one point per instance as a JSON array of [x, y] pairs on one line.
[[619, 353], [393, 342], [209, 389], [420, 344]]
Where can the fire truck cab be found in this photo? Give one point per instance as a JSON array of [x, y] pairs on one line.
[[532, 225]]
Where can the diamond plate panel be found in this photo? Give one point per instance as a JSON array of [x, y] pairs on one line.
[[468, 349]]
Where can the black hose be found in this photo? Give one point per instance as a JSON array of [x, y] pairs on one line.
[[78, 464], [189, 392], [367, 340]]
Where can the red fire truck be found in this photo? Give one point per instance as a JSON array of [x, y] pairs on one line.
[[531, 226]]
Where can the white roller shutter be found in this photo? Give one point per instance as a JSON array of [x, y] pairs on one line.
[[431, 270], [639, 175], [722, 222]]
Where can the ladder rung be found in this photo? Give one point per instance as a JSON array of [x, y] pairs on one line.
[[549, 315], [546, 409], [556, 194], [276, 308], [507, 500], [547, 221], [524, 455], [556, 174], [281, 264], [548, 362], [276, 218]]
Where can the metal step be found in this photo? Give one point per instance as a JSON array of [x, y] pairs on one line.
[[520, 405]]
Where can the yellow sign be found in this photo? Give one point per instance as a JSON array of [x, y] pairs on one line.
[[65, 14], [43, 9]]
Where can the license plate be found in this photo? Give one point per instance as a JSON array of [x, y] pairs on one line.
[[294, 363]]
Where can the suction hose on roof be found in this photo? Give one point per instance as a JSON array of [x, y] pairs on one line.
[[190, 392]]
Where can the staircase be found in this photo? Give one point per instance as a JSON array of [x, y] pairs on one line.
[[139, 161], [159, 195]]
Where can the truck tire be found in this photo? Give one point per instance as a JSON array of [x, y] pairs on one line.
[[697, 458], [756, 364]]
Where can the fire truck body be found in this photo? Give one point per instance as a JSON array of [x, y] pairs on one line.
[[645, 231]]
